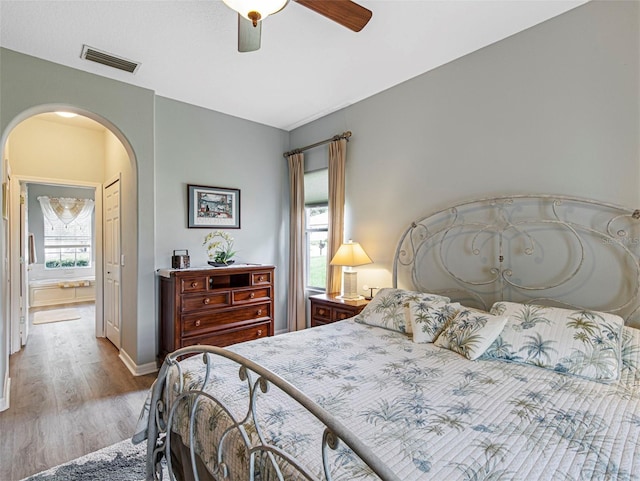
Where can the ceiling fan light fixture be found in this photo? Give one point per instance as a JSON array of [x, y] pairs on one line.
[[256, 10]]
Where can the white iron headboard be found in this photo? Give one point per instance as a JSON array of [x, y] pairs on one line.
[[552, 250]]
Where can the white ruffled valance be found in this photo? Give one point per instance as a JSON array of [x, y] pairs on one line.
[[65, 209]]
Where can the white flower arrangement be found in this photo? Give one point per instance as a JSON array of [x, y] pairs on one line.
[[219, 247]]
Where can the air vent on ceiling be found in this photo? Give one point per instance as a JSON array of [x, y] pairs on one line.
[[110, 60]]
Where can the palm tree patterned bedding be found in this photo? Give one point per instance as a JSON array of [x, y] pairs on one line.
[[429, 412]]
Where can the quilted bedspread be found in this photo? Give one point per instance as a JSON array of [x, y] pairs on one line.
[[429, 413]]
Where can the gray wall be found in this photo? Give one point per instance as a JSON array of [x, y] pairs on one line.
[[28, 86], [203, 147], [36, 218], [554, 109], [183, 144]]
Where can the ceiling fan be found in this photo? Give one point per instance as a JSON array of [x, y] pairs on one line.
[[252, 12]]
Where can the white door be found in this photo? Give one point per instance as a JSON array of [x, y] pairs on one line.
[[24, 259], [19, 303], [112, 260]]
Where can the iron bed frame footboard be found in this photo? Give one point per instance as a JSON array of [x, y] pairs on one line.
[[258, 380]]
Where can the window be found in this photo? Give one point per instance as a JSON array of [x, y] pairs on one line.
[[316, 197], [67, 231], [67, 246], [317, 232]]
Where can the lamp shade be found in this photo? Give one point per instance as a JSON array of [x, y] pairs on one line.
[[350, 254], [263, 8]]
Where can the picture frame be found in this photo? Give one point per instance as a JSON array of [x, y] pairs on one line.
[[213, 207]]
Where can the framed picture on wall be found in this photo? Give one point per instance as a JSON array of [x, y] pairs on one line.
[[213, 207]]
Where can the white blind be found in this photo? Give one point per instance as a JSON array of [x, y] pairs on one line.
[[316, 187]]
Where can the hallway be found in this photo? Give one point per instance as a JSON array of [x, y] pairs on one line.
[[70, 395]]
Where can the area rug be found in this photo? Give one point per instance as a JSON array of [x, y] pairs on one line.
[[56, 315], [122, 461]]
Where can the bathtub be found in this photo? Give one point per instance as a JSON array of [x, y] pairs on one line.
[[50, 292]]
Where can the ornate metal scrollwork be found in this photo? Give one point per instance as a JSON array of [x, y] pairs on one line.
[[265, 460], [538, 225]]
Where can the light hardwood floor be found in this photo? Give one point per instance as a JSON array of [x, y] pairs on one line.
[[70, 395]]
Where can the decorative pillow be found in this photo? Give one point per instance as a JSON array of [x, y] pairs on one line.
[[427, 319], [630, 354], [582, 343], [387, 308], [470, 333], [415, 296]]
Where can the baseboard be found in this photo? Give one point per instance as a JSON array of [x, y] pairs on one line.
[[4, 400], [281, 331], [137, 370]]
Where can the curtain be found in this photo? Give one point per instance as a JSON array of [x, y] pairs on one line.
[[337, 160], [65, 209], [296, 306], [33, 258]]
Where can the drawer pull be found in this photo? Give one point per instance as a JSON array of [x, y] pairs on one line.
[[259, 332], [252, 295], [198, 322], [206, 300], [322, 312], [259, 312], [194, 284], [261, 278]]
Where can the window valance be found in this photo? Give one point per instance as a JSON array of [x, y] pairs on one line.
[[66, 209]]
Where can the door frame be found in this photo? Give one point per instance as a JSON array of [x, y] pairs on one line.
[[14, 260]]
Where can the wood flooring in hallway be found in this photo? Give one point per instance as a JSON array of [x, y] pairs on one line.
[[70, 395]]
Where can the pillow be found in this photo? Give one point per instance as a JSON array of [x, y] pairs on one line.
[[470, 333], [630, 355], [582, 343], [387, 308], [427, 319], [415, 296]]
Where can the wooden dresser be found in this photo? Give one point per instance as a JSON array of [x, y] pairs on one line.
[[217, 306], [328, 308]]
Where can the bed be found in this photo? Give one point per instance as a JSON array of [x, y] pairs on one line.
[[507, 348]]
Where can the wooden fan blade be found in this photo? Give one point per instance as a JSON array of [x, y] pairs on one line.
[[344, 12], [248, 35]]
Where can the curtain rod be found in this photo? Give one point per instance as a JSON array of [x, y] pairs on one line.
[[343, 135]]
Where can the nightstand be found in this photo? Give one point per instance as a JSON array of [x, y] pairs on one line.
[[328, 308]]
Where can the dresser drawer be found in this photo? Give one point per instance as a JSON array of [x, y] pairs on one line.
[[193, 324], [211, 300], [193, 284], [261, 278], [251, 295], [321, 311], [339, 314], [232, 336]]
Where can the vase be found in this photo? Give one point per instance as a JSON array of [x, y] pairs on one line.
[[220, 264]]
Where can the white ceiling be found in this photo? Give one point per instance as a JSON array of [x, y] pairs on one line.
[[307, 67]]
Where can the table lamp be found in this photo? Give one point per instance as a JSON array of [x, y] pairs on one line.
[[350, 255]]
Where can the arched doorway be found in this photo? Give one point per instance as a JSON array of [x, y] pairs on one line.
[[118, 162]]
